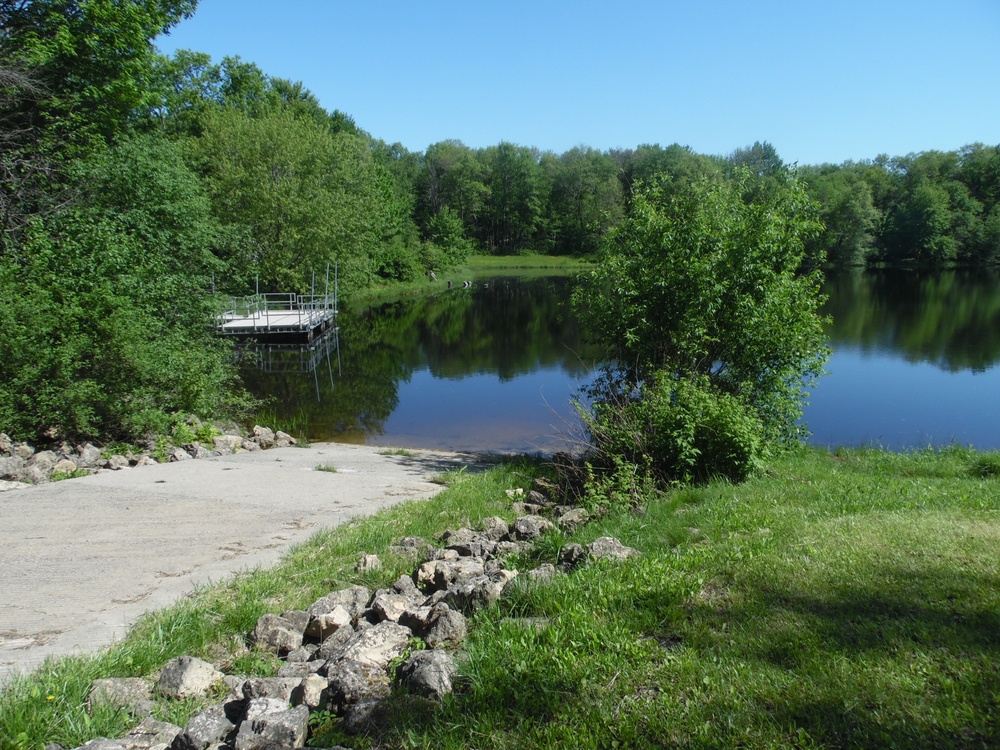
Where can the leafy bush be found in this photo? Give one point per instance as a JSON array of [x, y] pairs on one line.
[[698, 281], [107, 316], [677, 429], [396, 262]]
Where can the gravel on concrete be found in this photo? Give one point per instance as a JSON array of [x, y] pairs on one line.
[[81, 560]]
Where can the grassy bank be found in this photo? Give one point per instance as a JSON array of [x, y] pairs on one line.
[[476, 267], [837, 600], [478, 263]]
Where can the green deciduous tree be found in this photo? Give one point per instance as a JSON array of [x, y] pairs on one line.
[[848, 213], [703, 287], [296, 197], [515, 204], [585, 199], [94, 59], [106, 311]]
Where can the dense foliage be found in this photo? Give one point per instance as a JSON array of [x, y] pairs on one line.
[[931, 209], [714, 326]]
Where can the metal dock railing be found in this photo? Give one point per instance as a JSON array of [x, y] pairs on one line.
[[258, 314]]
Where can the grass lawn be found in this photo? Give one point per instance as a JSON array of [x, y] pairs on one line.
[[839, 600]]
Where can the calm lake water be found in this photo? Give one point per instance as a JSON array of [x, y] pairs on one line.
[[495, 367]]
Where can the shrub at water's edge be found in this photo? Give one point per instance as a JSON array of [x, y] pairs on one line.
[[714, 326]]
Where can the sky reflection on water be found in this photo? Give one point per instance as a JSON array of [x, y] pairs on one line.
[[881, 399]]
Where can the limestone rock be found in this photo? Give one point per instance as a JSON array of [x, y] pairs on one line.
[[530, 527], [495, 528], [387, 606], [417, 619], [479, 545], [44, 460], [458, 536], [302, 654], [376, 646], [300, 669], [277, 633], [227, 444], [34, 475], [151, 734], [432, 553], [64, 466], [133, 693], [368, 563], [11, 468], [22, 450], [270, 723], [299, 618], [263, 436], [280, 688], [89, 456], [447, 628], [409, 546], [334, 642], [187, 676], [335, 610], [443, 574], [573, 519], [538, 498], [353, 681], [511, 548], [406, 588], [572, 555], [325, 625], [609, 548], [206, 728], [312, 692], [354, 599], [429, 673], [522, 508], [178, 454], [283, 440], [197, 450], [479, 592]]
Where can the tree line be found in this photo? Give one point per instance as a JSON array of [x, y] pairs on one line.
[[133, 185]]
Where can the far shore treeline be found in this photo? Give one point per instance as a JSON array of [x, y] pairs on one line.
[[132, 185]]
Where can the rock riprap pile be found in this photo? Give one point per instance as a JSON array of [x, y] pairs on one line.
[[22, 465], [346, 653]]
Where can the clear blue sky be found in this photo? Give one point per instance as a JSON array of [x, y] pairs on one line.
[[822, 80]]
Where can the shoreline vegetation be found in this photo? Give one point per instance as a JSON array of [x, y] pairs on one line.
[[845, 598]]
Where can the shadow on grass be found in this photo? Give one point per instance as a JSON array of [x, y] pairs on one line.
[[902, 658]]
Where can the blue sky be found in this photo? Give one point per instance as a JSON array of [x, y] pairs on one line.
[[822, 80]]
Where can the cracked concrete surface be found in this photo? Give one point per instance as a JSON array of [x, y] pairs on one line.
[[81, 560]]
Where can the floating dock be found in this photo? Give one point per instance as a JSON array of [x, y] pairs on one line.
[[279, 317]]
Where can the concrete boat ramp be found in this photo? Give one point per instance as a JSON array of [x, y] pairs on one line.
[[81, 560]]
